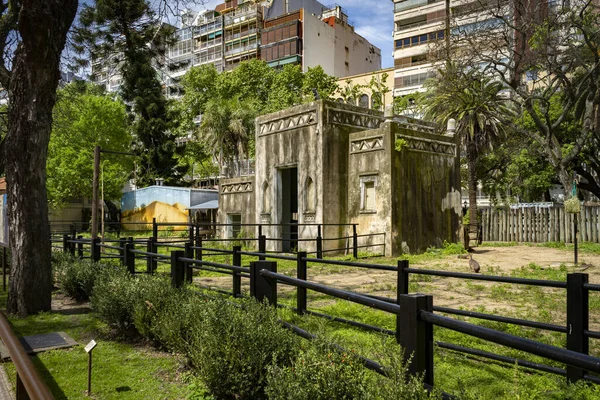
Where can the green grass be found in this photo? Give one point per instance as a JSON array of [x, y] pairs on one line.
[[120, 370]]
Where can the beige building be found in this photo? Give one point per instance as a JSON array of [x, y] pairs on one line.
[[366, 97]]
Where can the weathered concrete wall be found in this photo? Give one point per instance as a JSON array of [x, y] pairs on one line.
[[236, 196], [370, 163], [426, 188], [339, 121]]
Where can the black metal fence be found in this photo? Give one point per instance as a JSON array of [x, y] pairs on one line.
[[415, 314]]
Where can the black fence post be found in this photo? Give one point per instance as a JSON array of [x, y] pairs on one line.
[[198, 248], [237, 279], [80, 247], [402, 287], [191, 238], [129, 257], [301, 274], [66, 239], [319, 243], [149, 249], [189, 253], [262, 287], [95, 249], [262, 247], [177, 273], [354, 242], [577, 320], [154, 229], [122, 243], [416, 336]]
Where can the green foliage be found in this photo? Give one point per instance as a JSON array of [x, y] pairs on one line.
[[131, 35], [316, 78], [75, 277], [113, 298], [233, 348], [84, 118], [400, 144], [286, 88], [573, 205], [319, 372], [379, 89]]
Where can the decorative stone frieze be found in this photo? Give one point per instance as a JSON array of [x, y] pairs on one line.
[[239, 187], [353, 119], [366, 144], [288, 122], [429, 145]]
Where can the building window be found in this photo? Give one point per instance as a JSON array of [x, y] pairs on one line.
[[364, 101], [235, 225], [367, 193]]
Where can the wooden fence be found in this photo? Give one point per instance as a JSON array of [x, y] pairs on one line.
[[540, 224]]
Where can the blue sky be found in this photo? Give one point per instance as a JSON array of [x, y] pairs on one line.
[[372, 19]]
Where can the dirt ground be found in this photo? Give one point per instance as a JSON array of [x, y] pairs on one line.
[[505, 299]]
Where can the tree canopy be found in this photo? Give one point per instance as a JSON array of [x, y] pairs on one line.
[[84, 119]]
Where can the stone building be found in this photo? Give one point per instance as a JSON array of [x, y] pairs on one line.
[[325, 164]]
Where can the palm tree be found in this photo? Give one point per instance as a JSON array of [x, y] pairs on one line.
[[228, 128], [477, 104]]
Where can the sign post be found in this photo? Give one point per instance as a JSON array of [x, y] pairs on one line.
[[88, 349]]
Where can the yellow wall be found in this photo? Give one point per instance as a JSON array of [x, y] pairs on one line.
[[163, 212], [364, 79]]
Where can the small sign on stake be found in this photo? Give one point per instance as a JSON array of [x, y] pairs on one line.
[[88, 349]]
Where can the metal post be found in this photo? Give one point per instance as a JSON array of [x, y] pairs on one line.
[[149, 249], [95, 185], [416, 336], [66, 243], [262, 287], [128, 257], [319, 243], [154, 229], [80, 247], [262, 247], [89, 391], [577, 320], [96, 249], [189, 253], [260, 230], [301, 274], [575, 236], [237, 279], [402, 287], [122, 243], [177, 273], [354, 242]]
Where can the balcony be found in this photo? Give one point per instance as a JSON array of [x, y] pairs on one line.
[[241, 16], [210, 43], [203, 59], [408, 4], [233, 36], [209, 27], [241, 49]]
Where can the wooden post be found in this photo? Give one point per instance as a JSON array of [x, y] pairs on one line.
[[577, 320], [301, 273], [416, 336], [262, 287], [177, 273], [237, 279], [189, 271], [95, 185]]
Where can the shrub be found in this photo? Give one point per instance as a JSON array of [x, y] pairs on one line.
[[233, 346], [165, 314], [320, 372], [113, 298], [398, 385], [75, 277]]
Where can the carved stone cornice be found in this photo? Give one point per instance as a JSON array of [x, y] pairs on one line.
[[363, 145]]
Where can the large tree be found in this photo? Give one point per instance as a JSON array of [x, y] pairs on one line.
[[131, 32], [543, 51], [37, 32], [84, 118], [475, 102]]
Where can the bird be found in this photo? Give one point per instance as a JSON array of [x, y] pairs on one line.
[[473, 264]]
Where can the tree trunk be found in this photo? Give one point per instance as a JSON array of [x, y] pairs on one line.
[[43, 26], [472, 182]]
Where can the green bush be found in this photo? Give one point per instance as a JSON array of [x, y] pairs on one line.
[[75, 277], [319, 372], [233, 347], [113, 298], [165, 314]]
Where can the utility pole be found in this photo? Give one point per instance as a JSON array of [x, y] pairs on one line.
[[95, 185]]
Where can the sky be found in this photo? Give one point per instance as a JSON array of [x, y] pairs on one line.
[[372, 19]]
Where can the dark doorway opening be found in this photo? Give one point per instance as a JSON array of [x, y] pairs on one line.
[[289, 208]]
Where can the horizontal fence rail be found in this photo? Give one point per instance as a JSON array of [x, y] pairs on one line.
[[415, 314]]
